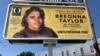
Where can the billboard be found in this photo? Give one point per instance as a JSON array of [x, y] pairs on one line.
[[26, 21], [52, 1]]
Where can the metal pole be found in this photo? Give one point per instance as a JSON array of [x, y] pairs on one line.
[[96, 46], [50, 50], [50, 44]]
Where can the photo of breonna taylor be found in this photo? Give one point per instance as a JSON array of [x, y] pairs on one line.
[[34, 27]]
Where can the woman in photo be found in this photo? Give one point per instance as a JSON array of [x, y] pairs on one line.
[[33, 23]]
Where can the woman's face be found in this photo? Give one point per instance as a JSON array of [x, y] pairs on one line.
[[34, 20]]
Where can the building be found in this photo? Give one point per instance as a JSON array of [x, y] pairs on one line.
[[85, 49]]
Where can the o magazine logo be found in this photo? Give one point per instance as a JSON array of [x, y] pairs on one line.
[[16, 11]]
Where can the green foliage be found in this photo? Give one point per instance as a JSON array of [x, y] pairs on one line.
[[28, 53], [0, 55]]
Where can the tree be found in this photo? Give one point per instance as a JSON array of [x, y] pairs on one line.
[[28, 53], [0, 55]]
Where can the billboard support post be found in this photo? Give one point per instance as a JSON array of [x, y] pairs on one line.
[[95, 42], [50, 50], [50, 44]]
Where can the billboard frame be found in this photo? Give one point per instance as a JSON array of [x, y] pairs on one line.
[[48, 2], [30, 40]]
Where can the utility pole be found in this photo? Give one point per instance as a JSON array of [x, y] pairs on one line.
[[96, 45], [95, 42]]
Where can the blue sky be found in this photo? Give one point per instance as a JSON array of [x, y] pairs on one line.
[[7, 49]]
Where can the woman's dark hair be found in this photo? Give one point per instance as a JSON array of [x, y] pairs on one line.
[[42, 15]]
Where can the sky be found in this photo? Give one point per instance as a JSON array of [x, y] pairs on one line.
[[7, 49]]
